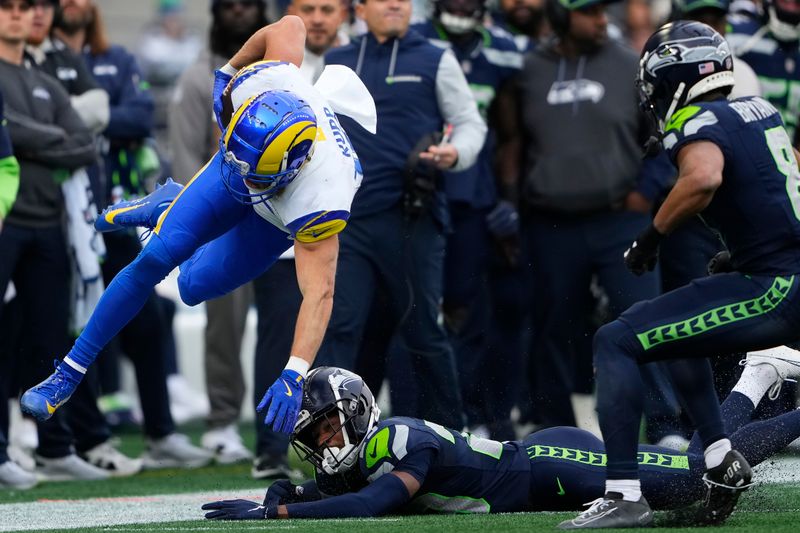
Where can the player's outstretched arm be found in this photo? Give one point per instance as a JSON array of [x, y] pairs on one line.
[[316, 272], [700, 167], [281, 41]]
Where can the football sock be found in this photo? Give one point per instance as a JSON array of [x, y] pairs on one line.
[[72, 370], [715, 453], [755, 381], [631, 489]]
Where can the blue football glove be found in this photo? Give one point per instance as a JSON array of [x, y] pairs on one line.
[[221, 80], [503, 220], [239, 510], [283, 398]]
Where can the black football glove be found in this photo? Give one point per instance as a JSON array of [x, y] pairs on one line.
[[239, 510], [283, 492], [642, 256]]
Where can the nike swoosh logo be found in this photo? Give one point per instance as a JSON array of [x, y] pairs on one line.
[[114, 212], [580, 522], [561, 490], [288, 390], [51, 409]]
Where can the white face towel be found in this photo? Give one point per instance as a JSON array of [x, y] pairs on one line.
[[348, 96]]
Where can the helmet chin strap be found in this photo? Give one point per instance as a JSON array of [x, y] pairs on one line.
[[783, 31], [672, 107]]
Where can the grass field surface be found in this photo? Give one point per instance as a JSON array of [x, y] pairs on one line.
[[169, 500]]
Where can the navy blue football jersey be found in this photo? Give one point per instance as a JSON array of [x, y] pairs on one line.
[[776, 64], [757, 207], [487, 62], [458, 472]]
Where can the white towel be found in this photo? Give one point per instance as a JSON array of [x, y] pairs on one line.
[[348, 96], [86, 248]]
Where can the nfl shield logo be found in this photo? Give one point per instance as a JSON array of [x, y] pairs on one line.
[[706, 68]]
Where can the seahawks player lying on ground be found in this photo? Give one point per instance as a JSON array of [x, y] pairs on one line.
[[410, 464]]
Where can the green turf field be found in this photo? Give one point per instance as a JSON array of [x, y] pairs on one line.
[[169, 500]]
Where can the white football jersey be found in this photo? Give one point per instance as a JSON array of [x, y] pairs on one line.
[[316, 204]]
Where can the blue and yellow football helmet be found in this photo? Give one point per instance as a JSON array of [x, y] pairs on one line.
[[266, 142]]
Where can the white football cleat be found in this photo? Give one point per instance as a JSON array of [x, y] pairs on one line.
[[785, 361]]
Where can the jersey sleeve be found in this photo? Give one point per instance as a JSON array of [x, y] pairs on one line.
[[398, 447], [694, 123], [318, 226]]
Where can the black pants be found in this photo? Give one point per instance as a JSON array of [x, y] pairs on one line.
[[406, 257], [36, 260], [721, 313], [278, 301]]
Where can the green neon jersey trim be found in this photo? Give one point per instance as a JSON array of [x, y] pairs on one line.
[[377, 448], [661, 460], [680, 117], [720, 316]]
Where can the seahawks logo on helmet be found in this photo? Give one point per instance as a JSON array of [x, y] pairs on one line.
[[681, 62]]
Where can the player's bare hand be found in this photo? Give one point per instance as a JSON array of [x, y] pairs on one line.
[[443, 156]]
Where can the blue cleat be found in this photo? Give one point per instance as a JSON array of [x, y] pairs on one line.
[[143, 212], [42, 400]]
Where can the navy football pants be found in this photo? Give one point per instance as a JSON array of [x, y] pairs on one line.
[[725, 313], [567, 464]]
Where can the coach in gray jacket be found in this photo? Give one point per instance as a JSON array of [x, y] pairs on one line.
[[582, 134]]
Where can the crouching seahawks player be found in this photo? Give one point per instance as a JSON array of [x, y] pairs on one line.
[[366, 467]]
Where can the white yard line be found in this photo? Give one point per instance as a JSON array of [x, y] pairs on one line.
[[111, 513], [99, 512]]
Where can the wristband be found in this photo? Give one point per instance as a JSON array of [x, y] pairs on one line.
[[299, 365], [229, 69]]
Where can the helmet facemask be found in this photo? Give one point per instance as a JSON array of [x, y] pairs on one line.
[[339, 450]]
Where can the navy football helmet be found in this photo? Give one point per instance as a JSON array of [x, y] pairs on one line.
[[335, 401], [681, 62], [458, 17], [783, 19]]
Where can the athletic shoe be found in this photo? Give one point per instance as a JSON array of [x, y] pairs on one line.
[[273, 467], [110, 459], [12, 476], [174, 451], [185, 403], [143, 212], [68, 468], [612, 511], [22, 430], [724, 483], [23, 458], [679, 443], [42, 400], [226, 445], [783, 359]]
